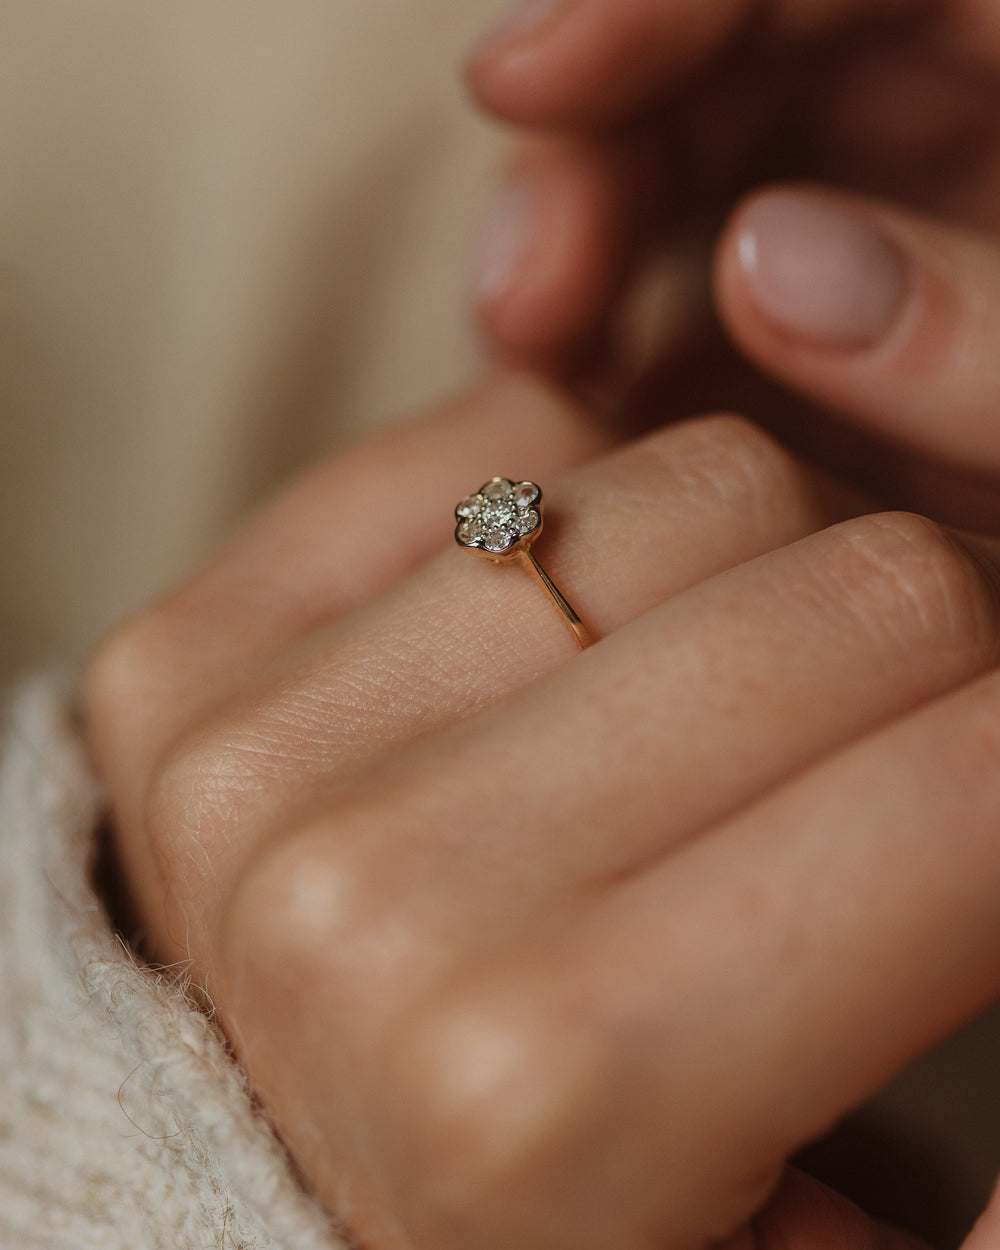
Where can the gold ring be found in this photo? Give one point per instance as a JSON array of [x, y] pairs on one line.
[[500, 523]]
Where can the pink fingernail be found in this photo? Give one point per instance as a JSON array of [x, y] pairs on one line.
[[505, 242], [524, 21], [820, 270]]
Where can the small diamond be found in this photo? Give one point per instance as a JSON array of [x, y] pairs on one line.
[[469, 532], [499, 539], [498, 488], [525, 494], [529, 521], [470, 507]]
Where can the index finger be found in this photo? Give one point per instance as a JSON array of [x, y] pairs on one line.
[[580, 62]]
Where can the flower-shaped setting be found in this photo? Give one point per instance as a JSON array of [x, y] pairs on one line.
[[501, 519]]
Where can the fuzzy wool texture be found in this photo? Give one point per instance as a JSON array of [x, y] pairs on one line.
[[124, 1122]]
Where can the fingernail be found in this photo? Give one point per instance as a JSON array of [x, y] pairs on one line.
[[505, 241], [524, 21], [820, 270]]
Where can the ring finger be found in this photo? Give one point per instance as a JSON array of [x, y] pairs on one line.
[[628, 532]]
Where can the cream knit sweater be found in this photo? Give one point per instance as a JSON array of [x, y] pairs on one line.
[[124, 1123]]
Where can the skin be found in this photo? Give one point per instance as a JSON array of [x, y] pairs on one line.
[[522, 948], [451, 886]]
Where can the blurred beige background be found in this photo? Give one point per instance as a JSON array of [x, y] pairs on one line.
[[231, 234]]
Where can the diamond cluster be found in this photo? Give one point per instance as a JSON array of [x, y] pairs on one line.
[[499, 517]]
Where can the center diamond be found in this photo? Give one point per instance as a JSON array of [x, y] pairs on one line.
[[499, 515]]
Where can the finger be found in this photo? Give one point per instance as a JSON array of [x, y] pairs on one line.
[[879, 314], [584, 61], [332, 540], [741, 682], [597, 245], [628, 531], [716, 1011], [573, 62], [557, 248]]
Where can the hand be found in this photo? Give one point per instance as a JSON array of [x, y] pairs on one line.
[[527, 949], [653, 117]]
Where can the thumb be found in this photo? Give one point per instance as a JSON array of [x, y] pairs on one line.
[[873, 312]]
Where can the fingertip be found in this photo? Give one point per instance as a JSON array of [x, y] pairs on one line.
[[813, 267], [508, 238], [518, 69], [552, 254]]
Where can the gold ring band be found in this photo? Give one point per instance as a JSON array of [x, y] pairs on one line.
[[500, 523]]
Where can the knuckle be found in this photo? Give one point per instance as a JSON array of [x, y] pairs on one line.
[[119, 673], [310, 903], [922, 581], [198, 798], [226, 777], [492, 1093], [503, 1102], [742, 466]]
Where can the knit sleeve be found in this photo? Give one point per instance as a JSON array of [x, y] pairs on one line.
[[124, 1122]]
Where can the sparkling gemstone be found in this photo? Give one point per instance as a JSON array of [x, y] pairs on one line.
[[470, 507], [499, 539], [525, 494], [498, 515], [498, 488], [470, 531], [529, 521]]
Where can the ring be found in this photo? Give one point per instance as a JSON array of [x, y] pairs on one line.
[[500, 523]]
